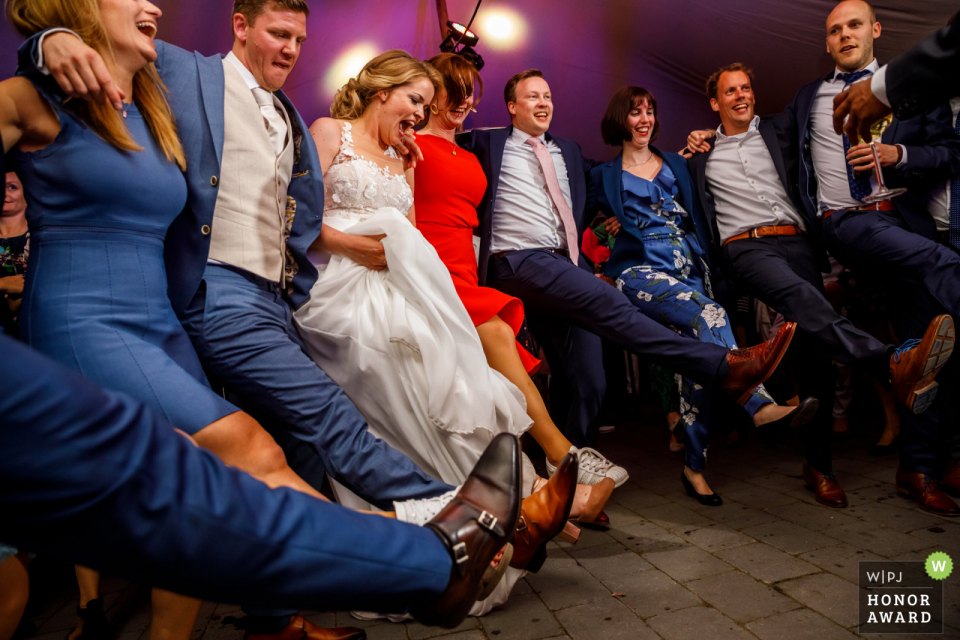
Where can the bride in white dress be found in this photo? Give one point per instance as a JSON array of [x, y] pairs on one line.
[[398, 340]]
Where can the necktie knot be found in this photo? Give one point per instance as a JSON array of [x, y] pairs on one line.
[[264, 98], [851, 77], [534, 142]]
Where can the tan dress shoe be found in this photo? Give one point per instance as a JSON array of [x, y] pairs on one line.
[[924, 489], [751, 366], [950, 482], [915, 369], [543, 515], [826, 489]]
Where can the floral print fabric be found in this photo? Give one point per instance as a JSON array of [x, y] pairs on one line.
[[672, 288]]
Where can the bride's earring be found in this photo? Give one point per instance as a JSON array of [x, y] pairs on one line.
[[434, 109]]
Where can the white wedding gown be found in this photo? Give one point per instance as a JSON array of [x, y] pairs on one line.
[[399, 341]]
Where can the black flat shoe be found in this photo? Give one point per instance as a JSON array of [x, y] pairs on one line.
[[712, 500], [878, 450], [797, 418]]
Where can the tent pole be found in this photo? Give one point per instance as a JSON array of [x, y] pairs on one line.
[[443, 16]]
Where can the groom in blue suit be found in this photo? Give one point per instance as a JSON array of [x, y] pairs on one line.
[[536, 207]]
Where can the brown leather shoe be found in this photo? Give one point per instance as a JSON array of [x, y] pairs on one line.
[[950, 481], [914, 366], [924, 489], [751, 366], [827, 490], [543, 515], [300, 629], [474, 526]]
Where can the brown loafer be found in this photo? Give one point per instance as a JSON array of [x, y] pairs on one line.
[[751, 366], [914, 366], [924, 489], [543, 515], [300, 629], [826, 489], [474, 526], [950, 481]]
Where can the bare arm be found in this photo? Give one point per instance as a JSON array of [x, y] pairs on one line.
[[364, 250], [408, 174], [26, 120]]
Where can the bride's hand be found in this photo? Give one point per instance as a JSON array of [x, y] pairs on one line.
[[365, 250]]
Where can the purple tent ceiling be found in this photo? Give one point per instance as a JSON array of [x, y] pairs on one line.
[[587, 49]]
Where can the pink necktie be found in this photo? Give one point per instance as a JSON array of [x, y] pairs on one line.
[[553, 187]]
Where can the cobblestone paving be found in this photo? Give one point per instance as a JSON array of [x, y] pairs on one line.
[[770, 563]]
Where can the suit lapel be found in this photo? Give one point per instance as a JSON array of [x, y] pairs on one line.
[[890, 135], [212, 90], [612, 180], [498, 140], [769, 135]]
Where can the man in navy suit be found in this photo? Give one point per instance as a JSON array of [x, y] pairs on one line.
[[891, 240], [531, 219], [748, 188], [236, 257]]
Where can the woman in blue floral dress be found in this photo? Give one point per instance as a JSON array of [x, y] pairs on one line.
[[661, 262]]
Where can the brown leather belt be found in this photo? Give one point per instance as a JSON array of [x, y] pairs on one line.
[[883, 205], [760, 232], [562, 252]]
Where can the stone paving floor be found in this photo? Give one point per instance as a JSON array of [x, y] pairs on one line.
[[770, 563]]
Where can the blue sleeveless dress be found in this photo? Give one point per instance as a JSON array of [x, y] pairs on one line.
[[95, 296]]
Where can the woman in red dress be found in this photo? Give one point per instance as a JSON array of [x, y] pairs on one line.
[[450, 184]]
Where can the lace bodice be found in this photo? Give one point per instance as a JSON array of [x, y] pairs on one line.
[[354, 187]]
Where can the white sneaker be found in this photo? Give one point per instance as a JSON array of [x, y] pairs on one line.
[[392, 617], [594, 468], [423, 510]]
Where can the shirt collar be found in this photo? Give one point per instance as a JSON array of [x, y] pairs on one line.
[[521, 137], [873, 67], [244, 72], [754, 125]]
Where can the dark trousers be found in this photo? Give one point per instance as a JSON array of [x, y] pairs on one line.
[[881, 243], [782, 272], [924, 279], [95, 478], [566, 303], [243, 332]]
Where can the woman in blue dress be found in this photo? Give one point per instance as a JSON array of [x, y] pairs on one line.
[[661, 262], [102, 187]]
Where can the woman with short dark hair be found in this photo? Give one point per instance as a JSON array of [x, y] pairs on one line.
[[661, 262]]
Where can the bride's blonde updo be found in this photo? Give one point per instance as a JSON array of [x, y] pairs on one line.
[[390, 69]]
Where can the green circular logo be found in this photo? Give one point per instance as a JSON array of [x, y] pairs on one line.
[[939, 565]]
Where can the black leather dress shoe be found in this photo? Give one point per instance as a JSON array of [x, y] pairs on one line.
[[474, 526], [711, 500]]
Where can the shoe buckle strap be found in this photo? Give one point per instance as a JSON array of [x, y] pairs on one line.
[[460, 554], [487, 520]]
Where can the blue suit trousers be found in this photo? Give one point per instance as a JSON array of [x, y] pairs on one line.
[[571, 303], [95, 478], [243, 332]]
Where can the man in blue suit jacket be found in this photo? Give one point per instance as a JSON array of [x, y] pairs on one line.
[[891, 240], [525, 251]]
